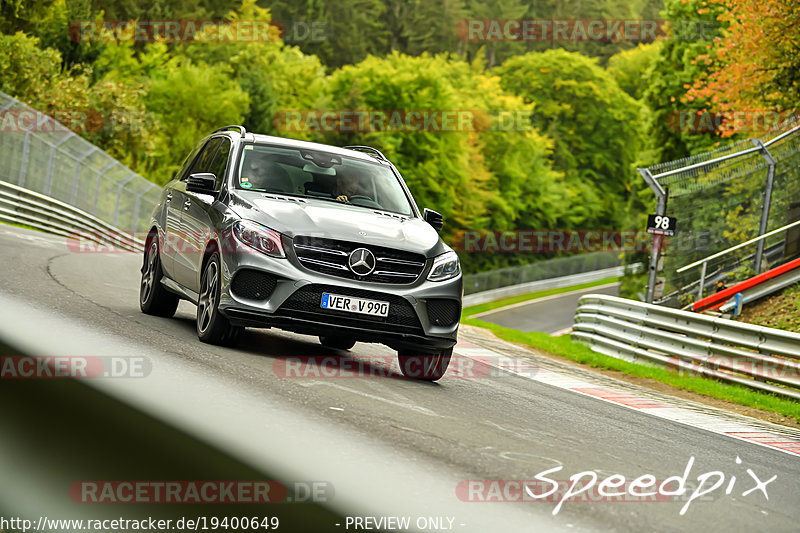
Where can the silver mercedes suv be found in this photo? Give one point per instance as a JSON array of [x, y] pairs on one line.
[[261, 231]]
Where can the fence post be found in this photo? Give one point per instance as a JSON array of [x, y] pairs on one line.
[[655, 247], [762, 227], [99, 183], [119, 196], [702, 281], [23, 164]]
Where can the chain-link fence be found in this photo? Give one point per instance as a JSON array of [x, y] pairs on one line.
[[551, 268], [723, 198], [40, 154]]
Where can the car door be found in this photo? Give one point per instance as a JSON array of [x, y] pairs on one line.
[[200, 218], [173, 207], [185, 238]]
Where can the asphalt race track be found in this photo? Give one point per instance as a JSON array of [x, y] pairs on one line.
[[551, 314], [492, 425]]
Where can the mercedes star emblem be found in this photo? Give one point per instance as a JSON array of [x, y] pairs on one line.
[[361, 262]]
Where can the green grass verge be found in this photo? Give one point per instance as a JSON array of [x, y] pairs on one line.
[[480, 308], [563, 346], [19, 225]]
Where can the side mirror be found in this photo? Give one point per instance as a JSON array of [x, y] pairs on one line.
[[203, 182], [433, 218]]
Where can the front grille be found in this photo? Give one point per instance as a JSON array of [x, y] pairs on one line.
[[305, 303], [329, 256], [443, 312], [253, 285]]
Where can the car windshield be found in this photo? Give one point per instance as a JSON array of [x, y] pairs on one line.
[[321, 175]]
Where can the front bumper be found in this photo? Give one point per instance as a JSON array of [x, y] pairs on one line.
[[294, 304]]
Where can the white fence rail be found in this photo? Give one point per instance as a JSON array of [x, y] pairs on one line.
[[21, 206], [754, 356], [44, 156]]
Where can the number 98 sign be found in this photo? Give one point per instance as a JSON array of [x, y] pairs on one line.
[[661, 225]]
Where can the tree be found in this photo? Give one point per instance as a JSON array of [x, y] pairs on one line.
[[631, 68], [755, 65], [674, 130], [594, 125], [191, 100], [349, 30], [492, 172], [439, 166]]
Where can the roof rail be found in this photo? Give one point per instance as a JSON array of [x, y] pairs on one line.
[[369, 149], [226, 128]]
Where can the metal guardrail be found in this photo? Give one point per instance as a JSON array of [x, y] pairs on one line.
[[42, 155], [22, 206], [541, 270], [704, 261], [765, 289], [754, 356], [548, 283]]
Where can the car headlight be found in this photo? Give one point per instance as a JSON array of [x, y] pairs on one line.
[[260, 238], [446, 266]]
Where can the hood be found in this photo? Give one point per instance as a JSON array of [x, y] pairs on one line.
[[320, 218]]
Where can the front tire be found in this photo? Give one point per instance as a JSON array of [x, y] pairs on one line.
[[154, 299], [426, 366], [212, 327]]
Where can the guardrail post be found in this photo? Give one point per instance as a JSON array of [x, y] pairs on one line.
[[762, 227], [655, 248], [702, 281]]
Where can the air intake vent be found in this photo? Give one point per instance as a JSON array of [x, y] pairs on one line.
[[443, 312], [253, 284]]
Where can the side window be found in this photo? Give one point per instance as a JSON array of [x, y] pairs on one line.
[[203, 161], [220, 162], [183, 173]]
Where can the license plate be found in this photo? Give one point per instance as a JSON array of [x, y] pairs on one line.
[[351, 304]]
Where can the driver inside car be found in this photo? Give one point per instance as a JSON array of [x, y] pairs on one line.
[[347, 186]]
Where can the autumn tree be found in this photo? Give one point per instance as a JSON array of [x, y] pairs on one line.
[[755, 65]]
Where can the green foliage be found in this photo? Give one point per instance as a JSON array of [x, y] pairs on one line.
[[439, 167], [348, 30], [27, 70], [193, 99], [455, 172], [354, 29], [694, 25], [631, 68], [594, 124]]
